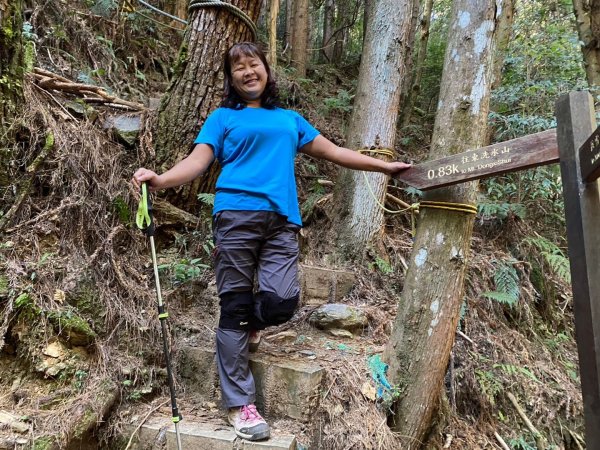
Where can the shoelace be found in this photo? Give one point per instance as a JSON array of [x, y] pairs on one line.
[[249, 412]]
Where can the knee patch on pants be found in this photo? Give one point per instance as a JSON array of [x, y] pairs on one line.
[[270, 309], [236, 310]]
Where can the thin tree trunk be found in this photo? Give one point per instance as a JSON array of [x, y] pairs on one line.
[[373, 122], [273, 12], [587, 14], [197, 89], [327, 43], [289, 24], [300, 37], [506, 20], [12, 69], [415, 89], [342, 20], [428, 311]]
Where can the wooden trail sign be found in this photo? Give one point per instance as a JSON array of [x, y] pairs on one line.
[[576, 120], [509, 156], [589, 157]]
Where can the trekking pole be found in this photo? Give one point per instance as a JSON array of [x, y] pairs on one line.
[[146, 224]]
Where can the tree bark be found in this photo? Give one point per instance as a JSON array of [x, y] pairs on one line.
[[289, 24], [197, 89], [300, 37], [419, 63], [587, 15], [428, 311], [373, 122], [12, 69], [506, 20], [327, 43], [273, 12]]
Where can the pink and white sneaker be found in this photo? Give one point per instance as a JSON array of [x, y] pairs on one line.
[[248, 423]]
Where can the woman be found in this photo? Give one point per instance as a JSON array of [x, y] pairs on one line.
[[256, 215]]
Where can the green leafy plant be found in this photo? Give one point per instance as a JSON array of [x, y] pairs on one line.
[[489, 383], [184, 270], [506, 280], [553, 256]]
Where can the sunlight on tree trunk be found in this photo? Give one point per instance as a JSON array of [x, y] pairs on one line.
[[197, 88], [428, 311], [373, 122], [273, 12]]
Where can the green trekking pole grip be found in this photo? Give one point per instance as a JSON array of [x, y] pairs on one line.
[[143, 218]]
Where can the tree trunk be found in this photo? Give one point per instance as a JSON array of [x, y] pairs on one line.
[[419, 63], [327, 43], [428, 311], [340, 35], [11, 74], [587, 14], [373, 122], [197, 89], [300, 37], [506, 20], [273, 12], [289, 24]]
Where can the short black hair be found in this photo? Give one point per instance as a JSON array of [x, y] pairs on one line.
[[231, 99]]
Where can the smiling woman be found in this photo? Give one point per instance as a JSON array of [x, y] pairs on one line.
[[256, 215]]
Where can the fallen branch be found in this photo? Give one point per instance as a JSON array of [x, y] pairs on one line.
[[503, 444], [397, 201], [49, 80], [143, 421], [540, 441]]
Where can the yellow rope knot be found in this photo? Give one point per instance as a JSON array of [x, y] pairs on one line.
[[379, 151], [449, 206]]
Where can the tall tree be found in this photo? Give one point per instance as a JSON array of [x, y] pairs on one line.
[[504, 33], [425, 22], [327, 42], [11, 72], [587, 13], [273, 12], [300, 37], [197, 88], [428, 311], [373, 123]]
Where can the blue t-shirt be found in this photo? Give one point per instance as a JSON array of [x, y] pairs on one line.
[[256, 148]]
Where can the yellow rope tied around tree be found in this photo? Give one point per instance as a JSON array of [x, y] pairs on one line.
[[414, 208]]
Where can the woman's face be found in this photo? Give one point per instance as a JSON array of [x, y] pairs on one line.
[[249, 78]]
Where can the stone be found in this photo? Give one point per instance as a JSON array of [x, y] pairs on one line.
[[288, 388], [56, 350], [337, 332], [125, 127], [11, 421], [340, 316], [321, 285], [203, 436]]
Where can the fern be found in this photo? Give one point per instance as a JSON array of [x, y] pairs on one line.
[[207, 199], [104, 8], [515, 370], [553, 255], [506, 280]]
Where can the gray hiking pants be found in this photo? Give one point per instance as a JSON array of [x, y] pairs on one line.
[[249, 245]]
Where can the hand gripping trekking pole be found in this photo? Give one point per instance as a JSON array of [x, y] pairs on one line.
[[146, 224]]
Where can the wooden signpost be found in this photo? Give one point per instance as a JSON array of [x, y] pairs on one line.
[[509, 156], [576, 144]]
